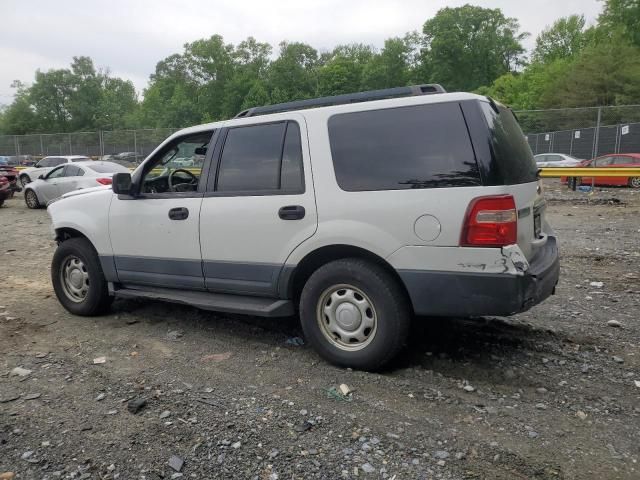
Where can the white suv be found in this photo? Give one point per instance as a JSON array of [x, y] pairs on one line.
[[45, 165], [357, 211]]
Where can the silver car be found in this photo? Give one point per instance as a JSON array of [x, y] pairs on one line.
[[47, 164], [556, 160], [68, 177]]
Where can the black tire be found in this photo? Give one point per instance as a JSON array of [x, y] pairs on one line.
[[1, 201], [97, 299], [31, 199], [24, 180], [390, 304], [634, 182]]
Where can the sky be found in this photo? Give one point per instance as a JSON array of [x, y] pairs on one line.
[[130, 37]]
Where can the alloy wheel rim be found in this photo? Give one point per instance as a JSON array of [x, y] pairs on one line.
[[74, 279], [635, 182], [347, 317], [31, 199]]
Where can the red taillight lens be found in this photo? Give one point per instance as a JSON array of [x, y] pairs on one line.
[[490, 222], [104, 181]]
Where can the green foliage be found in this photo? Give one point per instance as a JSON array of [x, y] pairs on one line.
[[464, 48], [467, 47], [564, 39], [623, 15]]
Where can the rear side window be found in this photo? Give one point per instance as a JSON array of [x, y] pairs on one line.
[[510, 151], [262, 158], [73, 171], [57, 161], [424, 146], [107, 168]]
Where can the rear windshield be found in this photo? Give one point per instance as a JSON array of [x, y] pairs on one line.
[[511, 153], [424, 146], [107, 168]]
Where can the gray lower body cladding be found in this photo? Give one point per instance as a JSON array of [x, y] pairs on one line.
[[461, 294]]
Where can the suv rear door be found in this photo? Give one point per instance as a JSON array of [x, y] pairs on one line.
[[259, 204]]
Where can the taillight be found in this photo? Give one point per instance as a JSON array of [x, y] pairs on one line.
[[104, 181], [490, 222]]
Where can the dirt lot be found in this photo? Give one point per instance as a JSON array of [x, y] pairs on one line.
[[552, 393]]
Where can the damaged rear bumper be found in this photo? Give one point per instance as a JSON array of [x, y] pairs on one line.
[[476, 293]]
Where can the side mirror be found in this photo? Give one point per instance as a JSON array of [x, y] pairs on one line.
[[41, 177], [121, 183]]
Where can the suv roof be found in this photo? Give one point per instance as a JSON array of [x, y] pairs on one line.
[[343, 107]]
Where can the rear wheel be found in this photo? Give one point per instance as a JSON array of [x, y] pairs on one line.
[[355, 314], [78, 279], [634, 182], [31, 199], [24, 180]]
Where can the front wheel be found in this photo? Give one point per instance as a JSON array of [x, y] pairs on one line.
[[355, 314], [24, 180], [78, 279], [31, 199], [634, 182]]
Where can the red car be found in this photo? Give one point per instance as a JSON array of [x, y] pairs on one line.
[[629, 160], [8, 182]]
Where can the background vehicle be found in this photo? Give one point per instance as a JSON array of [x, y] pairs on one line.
[[47, 164], [11, 174], [396, 219], [619, 160], [556, 160], [67, 178]]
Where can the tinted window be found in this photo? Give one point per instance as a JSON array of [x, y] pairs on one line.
[[54, 162], [409, 147], [603, 161], [80, 159], [72, 171], [107, 168], [511, 155], [622, 160], [292, 174], [261, 158], [55, 173]]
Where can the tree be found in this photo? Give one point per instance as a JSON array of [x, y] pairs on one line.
[[564, 39], [343, 69], [292, 76], [19, 117], [389, 68], [467, 47], [623, 15], [607, 73]]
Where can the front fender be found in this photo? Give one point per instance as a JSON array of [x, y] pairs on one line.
[[87, 214]]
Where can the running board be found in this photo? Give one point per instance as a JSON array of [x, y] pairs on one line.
[[219, 302]]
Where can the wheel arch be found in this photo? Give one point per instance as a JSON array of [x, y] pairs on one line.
[[293, 279]]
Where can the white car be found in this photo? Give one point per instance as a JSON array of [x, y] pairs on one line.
[[69, 177], [356, 211], [45, 165], [556, 160]]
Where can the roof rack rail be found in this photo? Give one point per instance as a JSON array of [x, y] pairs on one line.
[[426, 89]]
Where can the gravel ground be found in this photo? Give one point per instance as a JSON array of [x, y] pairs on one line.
[[551, 393]]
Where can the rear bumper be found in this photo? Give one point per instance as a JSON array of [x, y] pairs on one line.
[[475, 294]]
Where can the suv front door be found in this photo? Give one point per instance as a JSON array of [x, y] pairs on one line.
[[259, 205], [154, 232]]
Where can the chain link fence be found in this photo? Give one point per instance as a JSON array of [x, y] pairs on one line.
[[583, 132], [136, 144], [580, 132]]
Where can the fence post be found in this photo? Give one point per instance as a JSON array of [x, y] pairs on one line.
[[135, 146], [41, 146], [70, 149], [17, 145], [596, 138]]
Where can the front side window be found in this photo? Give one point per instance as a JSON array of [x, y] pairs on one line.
[[177, 167], [73, 171], [424, 146], [603, 162], [262, 158], [56, 173], [57, 161]]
